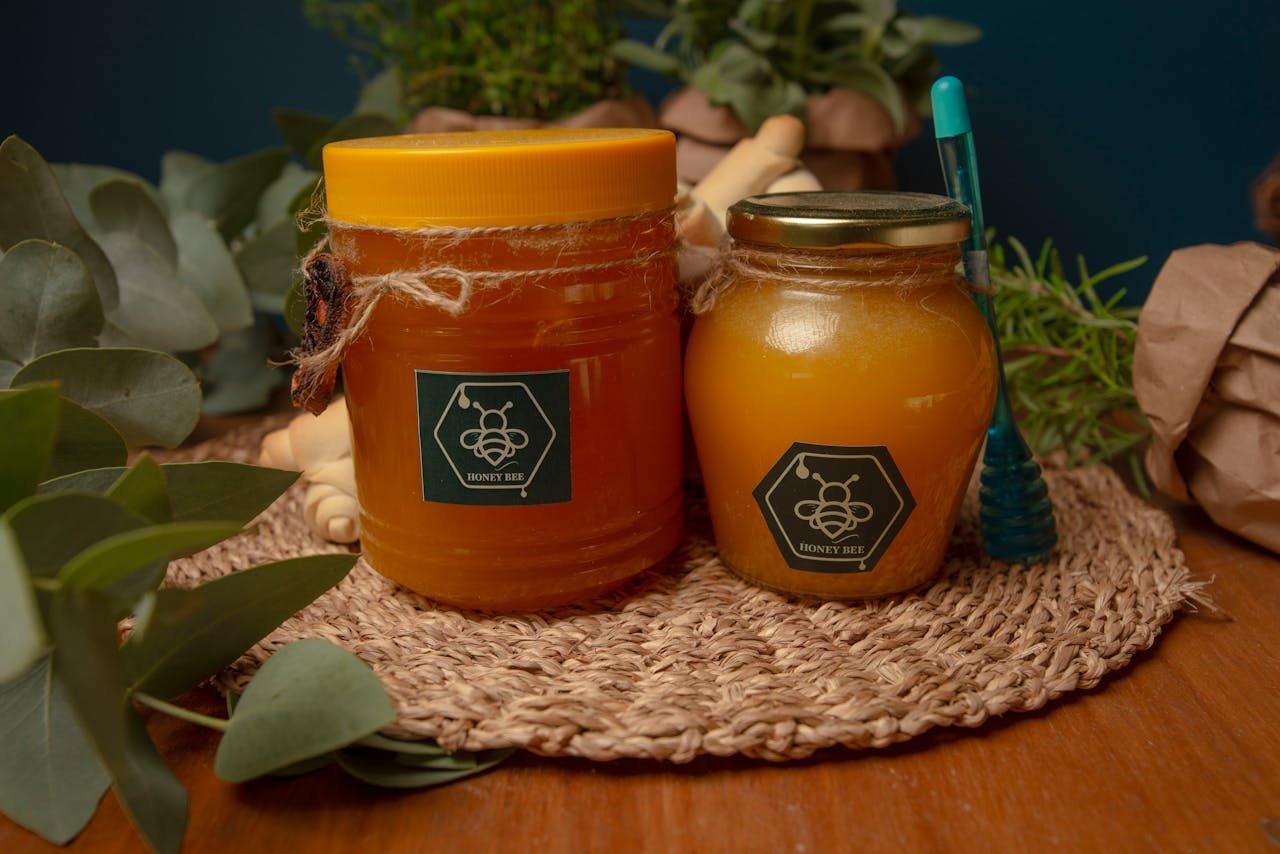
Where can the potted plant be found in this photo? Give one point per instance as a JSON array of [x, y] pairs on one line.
[[857, 71], [493, 64]]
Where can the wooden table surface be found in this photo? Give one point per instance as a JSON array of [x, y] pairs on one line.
[[1178, 752]]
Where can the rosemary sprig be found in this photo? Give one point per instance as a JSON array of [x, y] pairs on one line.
[[1069, 357]]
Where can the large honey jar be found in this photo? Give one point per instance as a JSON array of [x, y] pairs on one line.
[[839, 381], [515, 395]]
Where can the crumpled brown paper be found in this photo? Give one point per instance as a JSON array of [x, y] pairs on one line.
[[1266, 200], [1207, 374]]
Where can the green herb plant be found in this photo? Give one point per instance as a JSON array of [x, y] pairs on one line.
[[537, 59], [764, 57], [86, 538], [1069, 357]]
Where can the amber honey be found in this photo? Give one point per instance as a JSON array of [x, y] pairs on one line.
[[526, 451], [839, 394]]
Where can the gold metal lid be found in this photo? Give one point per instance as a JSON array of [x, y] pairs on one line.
[[829, 220]]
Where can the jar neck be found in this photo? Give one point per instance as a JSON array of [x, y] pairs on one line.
[[872, 264]]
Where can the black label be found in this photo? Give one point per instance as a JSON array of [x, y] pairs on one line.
[[494, 438], [832, 508]]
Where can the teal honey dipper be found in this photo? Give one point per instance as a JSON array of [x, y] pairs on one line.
[[1017, 517]]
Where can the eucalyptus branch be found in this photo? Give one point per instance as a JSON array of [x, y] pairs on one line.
[[179, 712]]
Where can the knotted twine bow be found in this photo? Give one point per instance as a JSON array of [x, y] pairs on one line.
[[340, 305]]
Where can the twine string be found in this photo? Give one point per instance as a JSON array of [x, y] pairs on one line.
[[446, 287], [893, 267]]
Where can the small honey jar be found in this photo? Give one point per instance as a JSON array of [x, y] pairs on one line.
[[839, 380]]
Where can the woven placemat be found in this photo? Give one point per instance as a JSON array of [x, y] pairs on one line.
[[690, 660]]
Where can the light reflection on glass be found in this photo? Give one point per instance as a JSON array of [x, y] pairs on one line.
[[801, 327]]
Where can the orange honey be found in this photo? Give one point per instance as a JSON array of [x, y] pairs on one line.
[[839, 390], [527, 451]]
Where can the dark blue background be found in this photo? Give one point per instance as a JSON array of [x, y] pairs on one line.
[[1119, 128]]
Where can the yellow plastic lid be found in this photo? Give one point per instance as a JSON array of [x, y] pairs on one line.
[[494, 178]]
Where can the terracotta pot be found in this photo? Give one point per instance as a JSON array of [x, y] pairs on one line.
[[849, 146], [631, 112]]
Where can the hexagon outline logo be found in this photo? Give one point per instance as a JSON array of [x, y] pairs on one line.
[[837, 509], [459, 397], [487, 439]]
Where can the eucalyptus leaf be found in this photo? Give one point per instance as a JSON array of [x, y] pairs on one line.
[[206, 266], [84, 630], [121, 205], [142, 489], [240, 376], [32, 206], [151, 398], [8, 369], [156, 310], [267, 261], [28, 425], [96, 481], [306, 766], [300, 129], [193, 634], [47, 301], [84, 441], [308, 699], [216, 490], [379, 769], [50, 780], [178, 171], [78, 180], [351, 127], [383, 95], [114, 336], [403, 746], [208, 491], [47, 542], [228, 193], [115, 558], [447, 762], [274, 206], [22, 639]]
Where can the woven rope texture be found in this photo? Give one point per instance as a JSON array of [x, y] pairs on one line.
[[690, 660]]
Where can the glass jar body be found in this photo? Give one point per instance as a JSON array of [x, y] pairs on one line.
[[592, 359], [838, 402]]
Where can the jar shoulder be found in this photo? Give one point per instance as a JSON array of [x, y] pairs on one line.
[[872, 322]]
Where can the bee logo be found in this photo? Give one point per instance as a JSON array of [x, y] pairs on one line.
[[493, 441], [834, 513]]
